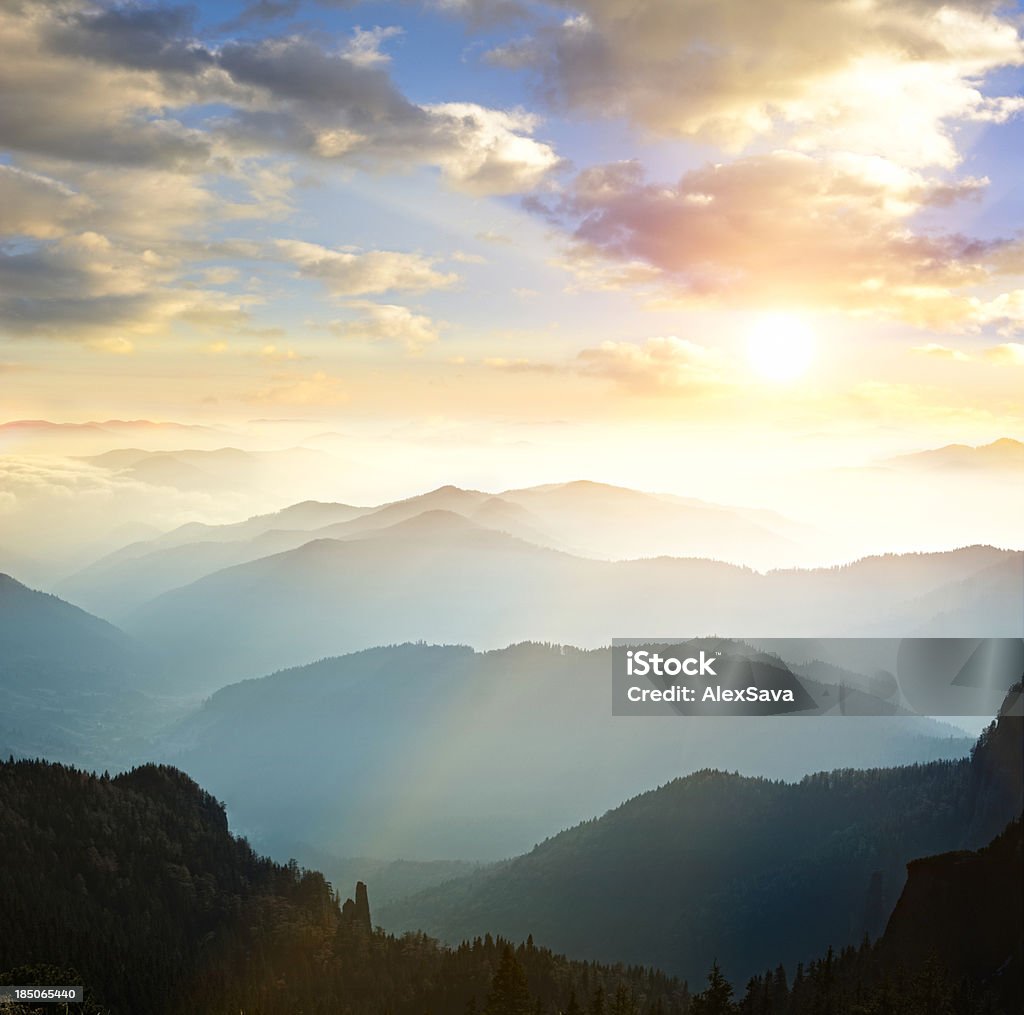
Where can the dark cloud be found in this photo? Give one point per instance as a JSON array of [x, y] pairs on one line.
[[325, 84], [106, 86], [147, 38]]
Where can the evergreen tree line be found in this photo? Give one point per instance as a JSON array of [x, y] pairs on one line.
[[133, 887]]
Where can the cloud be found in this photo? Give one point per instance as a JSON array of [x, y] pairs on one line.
[[490, 151], [782, 228], [148, 38], [517, 366], [937, 351], [85, 285], [657, 365], [345, 106], [482, 13], [877, 76], [316, 389], [346, 273], [83, 98], [53, 505], [1005, 311], [112, 86], [272, 352], [384, 322], [113, 346], [36, 205], [1009, 353]]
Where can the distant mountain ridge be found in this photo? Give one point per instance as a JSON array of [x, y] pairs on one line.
[[591, 520], [41, 627], [72, 687], [440, 577], [1004, 453]]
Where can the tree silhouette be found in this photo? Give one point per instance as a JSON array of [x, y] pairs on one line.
[[509, 992], [716, 998]]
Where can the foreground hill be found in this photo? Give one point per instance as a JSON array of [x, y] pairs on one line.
[[421, 751], [746, 870], [142, 867], [134, 887], [982, 890], [443, 578], [954, 944]]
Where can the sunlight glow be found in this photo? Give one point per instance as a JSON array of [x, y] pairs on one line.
[[780, 347]]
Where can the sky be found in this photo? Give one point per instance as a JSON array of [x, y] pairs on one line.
[[750, 226]]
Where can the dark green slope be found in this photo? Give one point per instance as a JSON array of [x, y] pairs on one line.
[[136, 885], [953, 946], [746, 870], [965, 910]]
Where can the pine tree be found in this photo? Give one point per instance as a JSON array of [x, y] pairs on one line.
[[509, 992], [716, 998], [622, 1003]]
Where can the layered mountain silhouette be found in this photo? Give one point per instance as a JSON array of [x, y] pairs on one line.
[[748, 871], [444, 578], [586, 519], [420, 751]]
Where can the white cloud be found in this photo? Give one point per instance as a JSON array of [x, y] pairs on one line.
[[385, 322], [490, 151], [658, 365], [871, 76], [346, 273], [939, 351]]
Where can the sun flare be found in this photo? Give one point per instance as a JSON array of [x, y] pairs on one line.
[[780, 347]]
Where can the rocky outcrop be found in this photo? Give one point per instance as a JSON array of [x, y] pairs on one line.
[[357, 914], [964, 910]]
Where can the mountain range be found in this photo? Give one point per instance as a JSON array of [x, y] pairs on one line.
[[999, 455], [423, 752], [443, 578], [586, 519]]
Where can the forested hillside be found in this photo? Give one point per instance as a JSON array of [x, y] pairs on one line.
[[480, 755], [134, 887], [749, 871]]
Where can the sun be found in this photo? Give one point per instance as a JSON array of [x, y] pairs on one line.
[[780, 347]]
